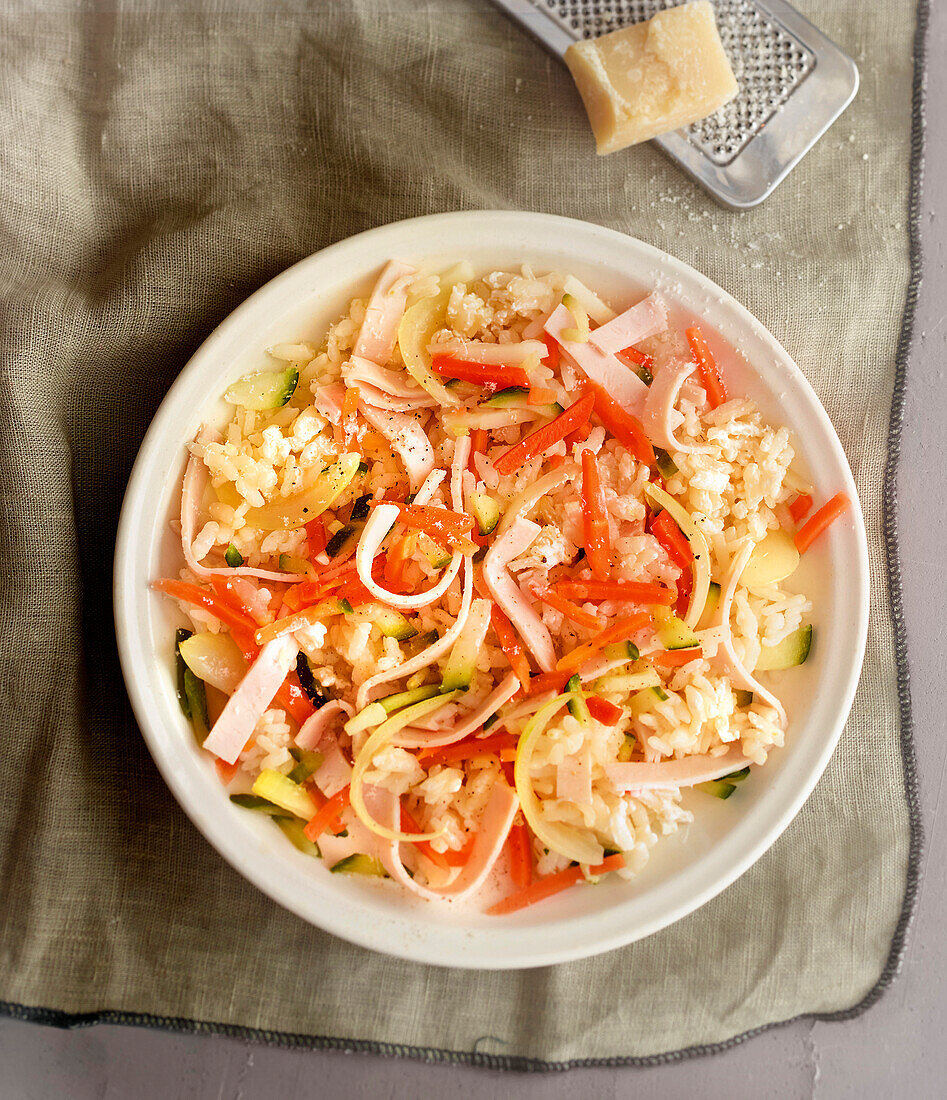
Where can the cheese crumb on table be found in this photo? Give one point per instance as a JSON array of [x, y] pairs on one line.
[[653, 77]]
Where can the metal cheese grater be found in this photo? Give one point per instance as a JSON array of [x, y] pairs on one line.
[[794, 83]]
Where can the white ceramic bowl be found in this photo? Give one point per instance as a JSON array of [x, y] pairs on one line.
[[687, 869]]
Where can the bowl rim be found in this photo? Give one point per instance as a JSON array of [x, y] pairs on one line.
[[510, 947]]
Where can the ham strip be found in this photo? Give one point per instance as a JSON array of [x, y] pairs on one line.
[[317, 725], [407, 437], [492, 831], [192, 495], [238, 719], [659, 418], [647, 318], [328, 401], [619, 381], [372, 379], [675, 773], [415, 738], [379, 331], [726, 657], [514, 541]]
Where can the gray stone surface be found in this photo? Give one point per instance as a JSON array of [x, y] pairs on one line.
[[896, 1049]]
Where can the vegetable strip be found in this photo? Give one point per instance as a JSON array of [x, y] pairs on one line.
[[632, 591], [624, 427], [595, 518], [565, 607], [510, 645], [552, 884], [547, 436], [481, 374], [706, 368], [800, 507], [322, 819], [826, 515], [667, 532], [521, 856], [617, 632], [209, 601]]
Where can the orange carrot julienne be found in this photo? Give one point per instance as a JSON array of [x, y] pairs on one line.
[[481, 374], [510, 645], [440, 524], [545, 437], [674, 658], [617, 632], [565, 607], [595, 518], [540, 395], [552, 884], [521, 856], [209, 601], [623, 426], [813, 527], [479, 442], [800, 507], [551, 358], [672, 538], [350, 411], [555, 461], [322, 818], [226, 771], [464, 750], [410, 825], [546, 681], [457, 858], [706, 367], [633, 591]]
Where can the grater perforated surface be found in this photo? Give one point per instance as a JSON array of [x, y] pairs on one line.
[[768, 62]]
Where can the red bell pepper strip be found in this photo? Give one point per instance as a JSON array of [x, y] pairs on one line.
[[546, 681], [706, 367], [631, 591], [598, 545], [634, 358], [800, 507], [521, 855], [510, 645], [454, 858], [481, 374], [551, 358], [545, 437], [672, 538], [316, 537], [617, 632], [464, 750], [624, 427], [552, 884], [827, 514], [603, 711], [479, 442]]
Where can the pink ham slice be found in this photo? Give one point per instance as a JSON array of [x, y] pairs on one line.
[[379, 331], [659, 418], [726, 657], [328, 401], [317, 725], [514, 541], [414, 738], [618, 380], [675, 773], [254, 694], [647, 318], [376, 382], [192, 494], [407, 437], [492, 831]]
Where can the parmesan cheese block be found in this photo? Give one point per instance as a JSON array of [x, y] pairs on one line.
[[653, 77]]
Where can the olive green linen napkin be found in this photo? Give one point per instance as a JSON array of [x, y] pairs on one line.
[[158, 166]]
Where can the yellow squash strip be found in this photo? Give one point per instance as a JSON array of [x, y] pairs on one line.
[[379, 740], [699, 548], [570, 843], [417, 327], [284, 513]]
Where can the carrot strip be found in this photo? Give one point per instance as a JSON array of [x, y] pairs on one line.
[[226, 771], [209, 601], [540, 395], [565, 607], [521, 856], [293, 699], [546, 681], [800, 507], [545, 437], [481, 374], [624, 427], [617, 632], [632, 591], [410, 825], [350, 412], [321, 820], [510, 645], [603, 711], [552, 884], [396, 561], [441, 524], [826, 515], [466, 749], [555, 461], [637, 358], [454, 858], [674, 658], [706, 367], [479, 442], [595, 518]]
